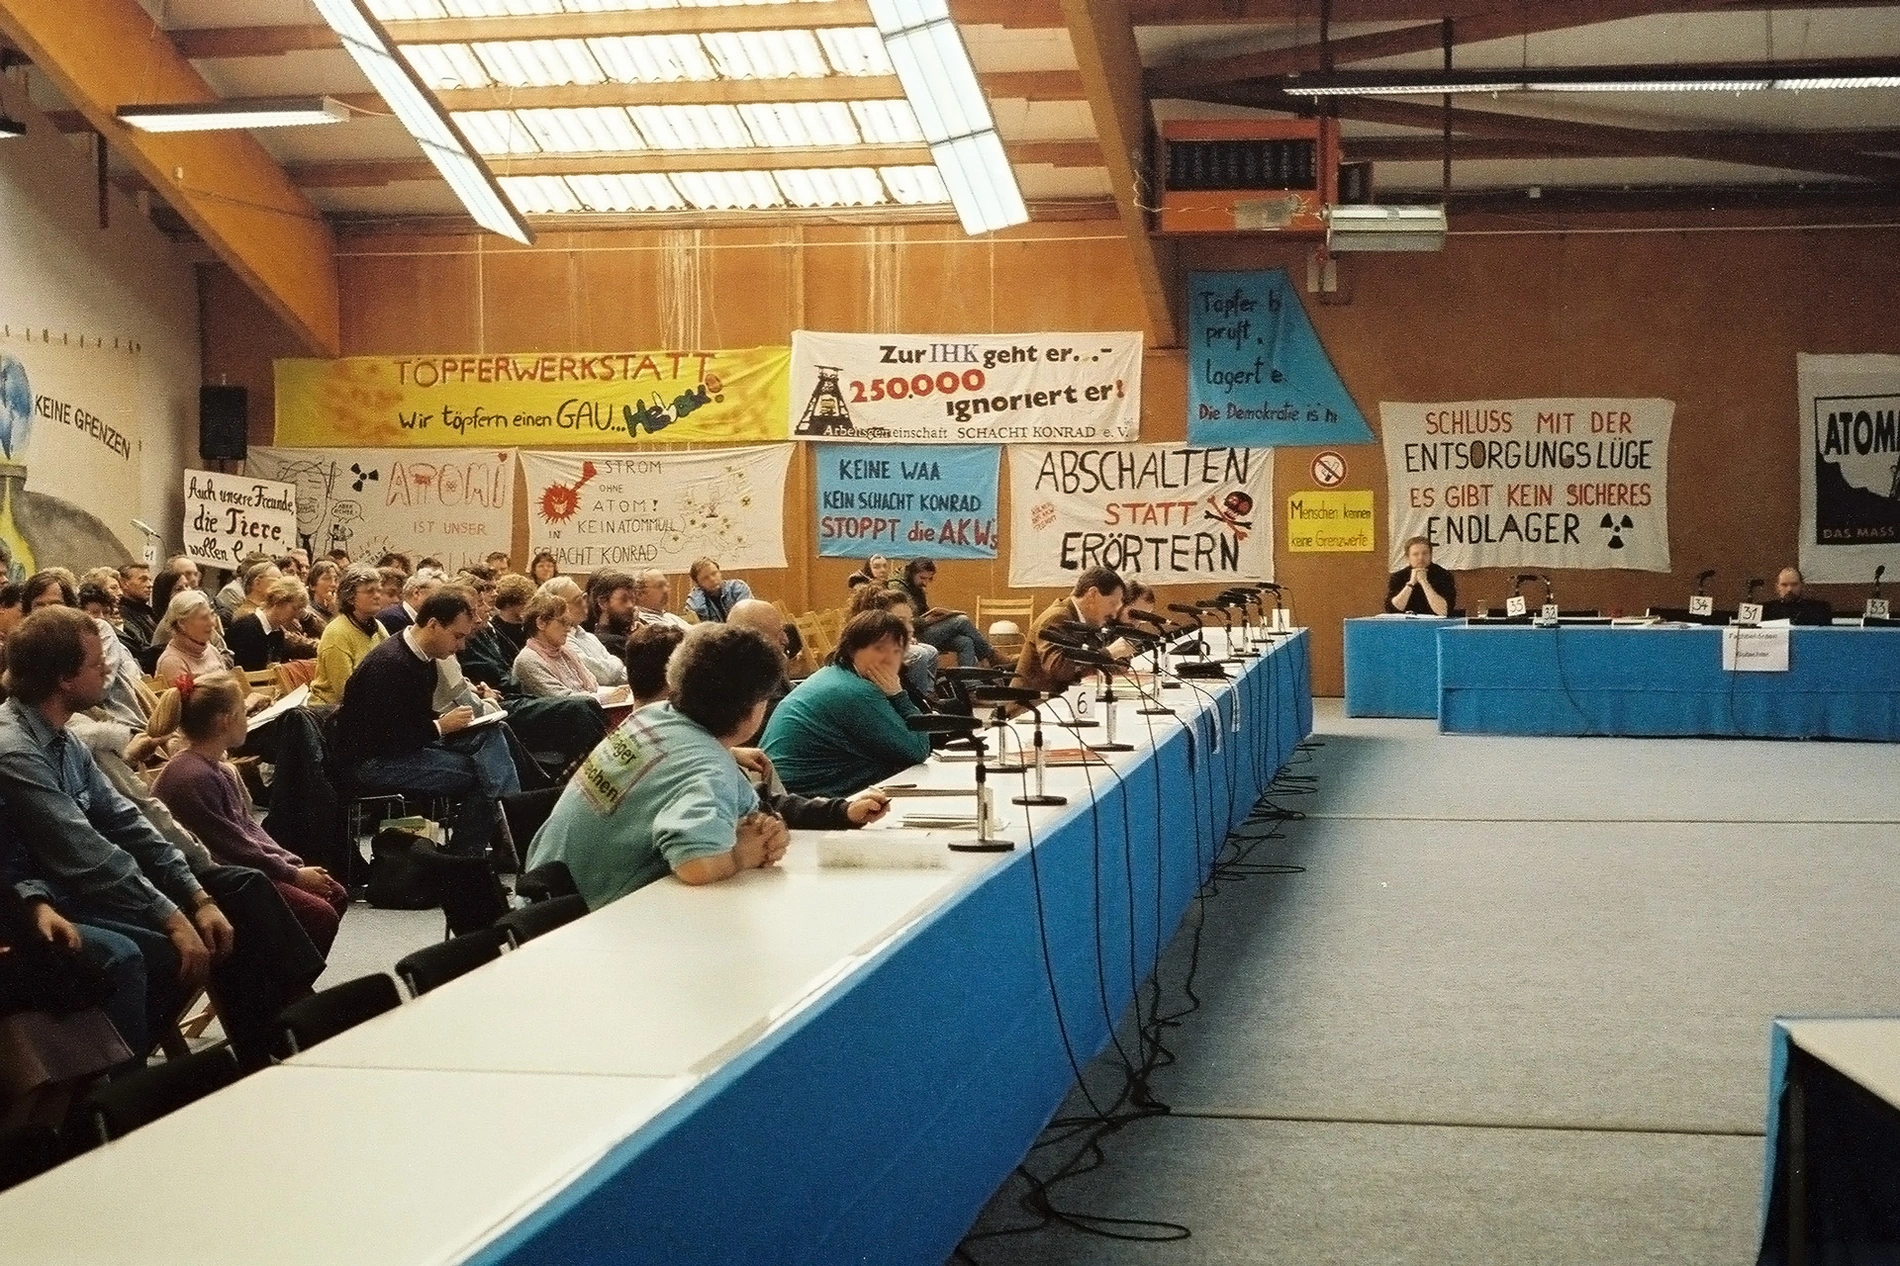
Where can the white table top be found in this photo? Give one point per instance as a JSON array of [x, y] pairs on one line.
[[287, 1167], [1865, 1050]]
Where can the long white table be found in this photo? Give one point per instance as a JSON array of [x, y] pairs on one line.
[[867, 1052]]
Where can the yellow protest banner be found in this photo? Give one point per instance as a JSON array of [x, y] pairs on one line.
[[1335, 522], [540, 400]]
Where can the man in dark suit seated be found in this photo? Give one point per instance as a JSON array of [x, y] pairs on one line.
[[399, 615], [1794, 606]]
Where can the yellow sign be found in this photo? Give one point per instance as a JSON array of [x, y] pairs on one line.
[[534, 400], [1329, 522]]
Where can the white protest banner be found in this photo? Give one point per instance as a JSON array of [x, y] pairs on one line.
[[455, 503], [1531, 483], [966, 388], [1162, 513], [230, 517], [69, 451], [1850, 466], [658, 509]]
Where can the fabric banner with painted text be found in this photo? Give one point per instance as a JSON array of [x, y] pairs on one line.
[[1161, 513], [454, 503], [560, 400], [966, 388], [1563, 483], [69, 452], [659, 510], [228, 518], [1850, 466], [1257, 373], [907, 500]]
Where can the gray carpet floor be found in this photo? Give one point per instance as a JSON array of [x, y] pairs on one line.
[[1514, 1008]]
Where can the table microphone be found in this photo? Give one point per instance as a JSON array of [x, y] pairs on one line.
[[1754, 584], [940, 723], [1702, 579], [1110, 666], [1030, 699], [1878, 573]]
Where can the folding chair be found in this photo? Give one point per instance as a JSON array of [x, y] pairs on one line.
[[437, 965], [119, 1107], [546, 883], [525, 924], [335, 1010]]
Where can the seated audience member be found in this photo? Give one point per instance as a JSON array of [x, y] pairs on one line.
[[544, 568], [341, 557], [257, 579], [500, 563], [190, 647], [416, 589], [137, 618], [324, 577], [876, 572], [764, 619], [126, 698], [843, 728], [653, 600], [258, 639], [664, 791], [611, 609], [485, 659], [12, 607], [944, 629], [606, 668], [58, 986], [106, 602], [712, 595], [648, 649], [513, 592], [353, 634], [1792, 603], [390, 737], [546, 668], [920, 658], [178, 574], [1095, 601], [296, 562], [204, 795], [230, 597], [1421, 587], [101, 863], [430, 560], [396, 560]]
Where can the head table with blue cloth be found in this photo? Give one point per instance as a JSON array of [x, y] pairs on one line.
[[1831, 1174], [1657, 681], [1392, 665], [797, 1065]]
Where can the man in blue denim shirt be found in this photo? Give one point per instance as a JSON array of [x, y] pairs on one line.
[[99, 862]]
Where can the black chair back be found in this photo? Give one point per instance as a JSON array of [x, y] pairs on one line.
[[119, 1107], [525, 811], [27, 1151], [546, 882], [439, 964], [525, 924], [323, 1015]]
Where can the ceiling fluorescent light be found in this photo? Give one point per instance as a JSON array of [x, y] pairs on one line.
[[419, 111], [933, 65], [1717, 77], [216, 116], [1382, 228]]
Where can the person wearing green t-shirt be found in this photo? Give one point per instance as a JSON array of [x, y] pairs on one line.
[[843, 728]]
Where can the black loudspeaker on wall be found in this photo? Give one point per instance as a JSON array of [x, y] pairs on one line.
[[223, 423]]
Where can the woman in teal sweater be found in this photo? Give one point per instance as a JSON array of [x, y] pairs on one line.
[[842, 729]]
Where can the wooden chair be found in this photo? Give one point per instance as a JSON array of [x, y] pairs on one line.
[[990, 610], [264, 682]]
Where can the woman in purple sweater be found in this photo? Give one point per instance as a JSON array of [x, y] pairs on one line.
[[204, 796]]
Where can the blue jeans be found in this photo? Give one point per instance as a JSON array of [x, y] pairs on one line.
[[960, 634], [920, 668], [136, 1010], [473, 766]]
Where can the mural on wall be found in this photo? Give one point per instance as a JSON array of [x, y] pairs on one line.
[[69, 452]]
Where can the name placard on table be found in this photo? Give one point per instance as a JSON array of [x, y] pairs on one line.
[[1746, 650]]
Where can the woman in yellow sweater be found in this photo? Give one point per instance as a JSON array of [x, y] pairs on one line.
[[353, 634]]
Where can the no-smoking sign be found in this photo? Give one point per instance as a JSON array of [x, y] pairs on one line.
[[1329, 469]]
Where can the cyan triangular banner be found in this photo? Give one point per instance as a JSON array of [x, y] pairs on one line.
[[1257, 374]]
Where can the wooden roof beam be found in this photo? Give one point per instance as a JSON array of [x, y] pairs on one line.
[[1304, 13], [102, 54], [1429, 149], [1031, 85], [1110, 66]]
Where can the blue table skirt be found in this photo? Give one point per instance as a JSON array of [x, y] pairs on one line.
[[1842, 683], [875, 1125], [1392, 666]]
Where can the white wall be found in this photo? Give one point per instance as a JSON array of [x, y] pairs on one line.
[[60, 271]]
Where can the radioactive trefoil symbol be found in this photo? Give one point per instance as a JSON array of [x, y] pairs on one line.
[[1616, 528], [362, 476]]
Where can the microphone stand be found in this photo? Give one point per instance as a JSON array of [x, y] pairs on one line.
[[1201, 666], [1146, 641], [1029, 699], [940, 723], [1228, 620], [1238, 600], [999, 716]]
